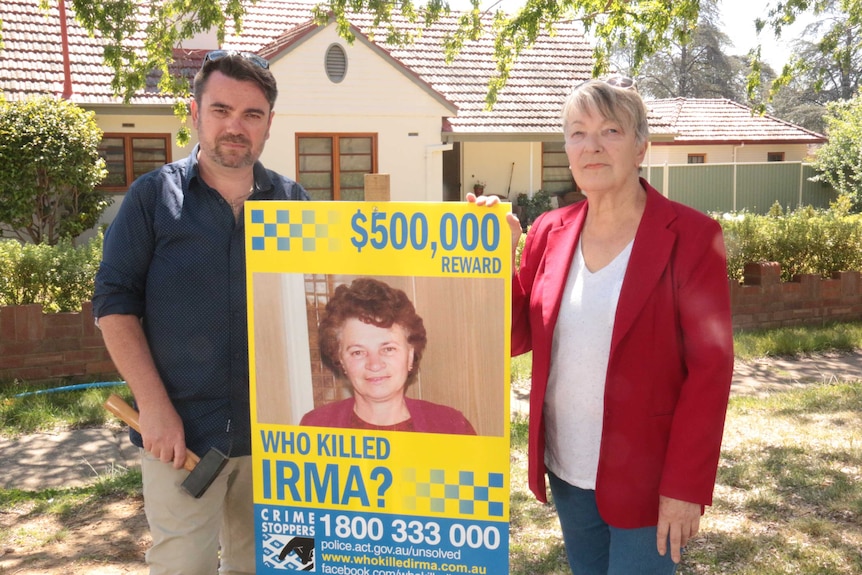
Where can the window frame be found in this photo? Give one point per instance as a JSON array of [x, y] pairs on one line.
[[690, 156], [335, 165], [545, 152], [770, 155], [128, 154]]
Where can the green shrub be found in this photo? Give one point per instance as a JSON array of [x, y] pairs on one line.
[[519, 250], [804, 241], [59, 277], [529, 208], [49, 169]]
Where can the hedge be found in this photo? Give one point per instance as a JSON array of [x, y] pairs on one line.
[[59, 277], [804, 241]]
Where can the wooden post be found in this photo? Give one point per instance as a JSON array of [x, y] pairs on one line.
[[377, 187]]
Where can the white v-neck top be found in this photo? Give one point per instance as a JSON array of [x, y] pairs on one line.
[[574, 401]]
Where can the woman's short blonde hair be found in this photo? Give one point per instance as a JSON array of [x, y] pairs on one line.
[[621, 105]]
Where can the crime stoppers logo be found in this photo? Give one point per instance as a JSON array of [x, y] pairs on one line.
[[288, 553]]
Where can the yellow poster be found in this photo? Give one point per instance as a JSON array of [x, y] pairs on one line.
[[379, 355]]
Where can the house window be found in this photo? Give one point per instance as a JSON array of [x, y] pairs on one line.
[[556, 175], [333, 166], [128, 156], [697, 158], [775, 156]]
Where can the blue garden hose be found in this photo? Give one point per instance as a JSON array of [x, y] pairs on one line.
[[72, 387]]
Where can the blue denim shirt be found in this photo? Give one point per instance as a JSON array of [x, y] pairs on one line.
[[175, 257]]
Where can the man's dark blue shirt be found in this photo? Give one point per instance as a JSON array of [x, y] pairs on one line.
[[175, 257]]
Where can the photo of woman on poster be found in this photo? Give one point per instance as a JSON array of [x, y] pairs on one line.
[[371, 338]]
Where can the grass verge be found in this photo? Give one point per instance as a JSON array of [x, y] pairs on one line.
[[794, 341], [54, 410], [789, 494], [788, 498]]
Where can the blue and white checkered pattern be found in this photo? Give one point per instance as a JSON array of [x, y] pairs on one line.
[[293, 230], [464, 492]]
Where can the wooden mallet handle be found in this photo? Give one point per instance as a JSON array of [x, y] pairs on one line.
[[116, 405]]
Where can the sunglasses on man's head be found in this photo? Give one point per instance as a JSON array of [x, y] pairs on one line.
[[253, 58], [619, 81]]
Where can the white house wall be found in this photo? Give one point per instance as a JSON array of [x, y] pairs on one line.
[[374, 97], [495, 162], [723, 154], [117, 120]]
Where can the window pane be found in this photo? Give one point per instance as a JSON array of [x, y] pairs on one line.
[[315, 145], [113, 151], [355, 164], [555, 159], [352, 180], [315, 167], [315, 163], [315, 180], [319, 195], [148, 154], [353, 195], [556, 175], [557, 187], [355, 145]]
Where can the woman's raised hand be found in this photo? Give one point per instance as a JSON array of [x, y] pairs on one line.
[[511, 219]]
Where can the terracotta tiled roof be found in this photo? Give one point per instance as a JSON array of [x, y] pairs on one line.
[[32, 63], [714, 121], [287, 39], [530, 102], [295, 36]]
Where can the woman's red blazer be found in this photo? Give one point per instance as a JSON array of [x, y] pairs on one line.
[[671, 356]]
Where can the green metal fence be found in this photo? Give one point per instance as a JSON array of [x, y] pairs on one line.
[[736, 187]]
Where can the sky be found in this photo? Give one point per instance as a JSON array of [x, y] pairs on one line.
[[737, 17]]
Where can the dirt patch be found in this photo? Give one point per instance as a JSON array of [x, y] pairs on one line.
[[107, 537]]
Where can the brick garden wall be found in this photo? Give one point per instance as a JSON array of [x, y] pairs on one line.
[[36, 346], [763, 301]]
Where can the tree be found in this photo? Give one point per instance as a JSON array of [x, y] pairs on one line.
[[835, 56], [799, 103], [140, 36], [700, 67], [839, 161], [741, 66], [49, 167], [836, 48], [695, 67], [828, 68]]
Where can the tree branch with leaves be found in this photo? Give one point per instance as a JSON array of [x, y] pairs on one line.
[[140, 37]]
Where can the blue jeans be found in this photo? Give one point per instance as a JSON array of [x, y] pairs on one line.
[[595, 548]]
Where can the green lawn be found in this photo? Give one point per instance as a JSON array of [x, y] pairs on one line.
[[788, 499]]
